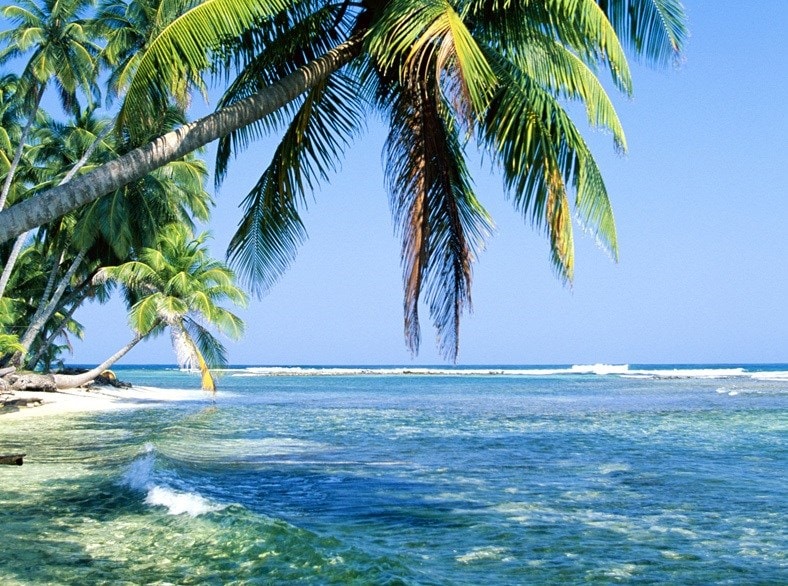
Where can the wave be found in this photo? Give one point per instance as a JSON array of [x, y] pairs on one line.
[[139, 477], [598, 369]]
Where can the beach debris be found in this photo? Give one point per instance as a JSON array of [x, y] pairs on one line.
[[106, 379], [31, 381], [21, 402]]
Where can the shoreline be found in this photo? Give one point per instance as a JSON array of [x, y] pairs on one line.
[[94, 399]]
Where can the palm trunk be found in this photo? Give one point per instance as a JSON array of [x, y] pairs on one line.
[[33, 361], [9, 178], [135, 164], [44, 313], [65, 381], [11, 262], [47, 294], [20, 240]]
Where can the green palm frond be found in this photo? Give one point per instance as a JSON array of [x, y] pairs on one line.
[[212, 350], [561, 72], [175, 59], [654, 30], [227, 322], [267, 238], [541, 152], [145, 314], [128, 27], [407, 37], [9, 343], [580, 25], [267, 53], [134, 274]]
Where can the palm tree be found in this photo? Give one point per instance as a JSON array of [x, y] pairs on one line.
[[15, 163], [176, 286], [128, 28], [442, 72], [60, 48], [111, 229]]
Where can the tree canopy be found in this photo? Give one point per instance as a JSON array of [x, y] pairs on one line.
[[445, 75]]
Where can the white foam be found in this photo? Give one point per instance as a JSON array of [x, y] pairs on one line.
[[776, 376], [178, 503], [255, 371], [694, 372], [600, 369], [139, 477], [597, 369], [482, 553]]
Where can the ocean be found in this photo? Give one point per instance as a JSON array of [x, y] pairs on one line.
[[487, 475]]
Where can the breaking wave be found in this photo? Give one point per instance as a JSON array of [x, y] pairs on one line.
[[139, 477], [599, 369]]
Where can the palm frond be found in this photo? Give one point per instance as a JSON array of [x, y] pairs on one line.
[[266, 53], [175, 59], [560, 71], [406, 38], [442, 224], [145, 315], [271, 230], [541, 152], [654, 30], [580, 25], [212, 350]]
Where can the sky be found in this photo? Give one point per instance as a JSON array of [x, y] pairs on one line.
[[700, 205]]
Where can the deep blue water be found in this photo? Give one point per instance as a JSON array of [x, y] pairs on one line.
[[530, 475]]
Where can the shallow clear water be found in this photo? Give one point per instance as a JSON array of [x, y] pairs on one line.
[[409, 479]]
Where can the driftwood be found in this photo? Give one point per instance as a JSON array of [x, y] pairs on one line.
[[12, 459], [21, 403], [31, 381]]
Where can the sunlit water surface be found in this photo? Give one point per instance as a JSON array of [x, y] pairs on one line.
[[515, 477]]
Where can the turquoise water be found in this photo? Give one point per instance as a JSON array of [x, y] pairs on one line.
[[522, 476]]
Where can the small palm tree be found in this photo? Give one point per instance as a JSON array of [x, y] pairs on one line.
[[108, 231], [176, 287]]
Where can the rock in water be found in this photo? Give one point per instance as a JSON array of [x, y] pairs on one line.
[[11, 459]]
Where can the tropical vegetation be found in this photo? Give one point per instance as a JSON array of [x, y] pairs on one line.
[[115, 174]]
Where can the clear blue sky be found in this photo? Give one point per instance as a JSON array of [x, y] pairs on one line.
[[701, 209]]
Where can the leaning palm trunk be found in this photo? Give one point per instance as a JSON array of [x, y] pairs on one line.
[[44, 312], [137, 163], [11, 262], [76, 302], [9, 178], [65, 381], [20, 240]]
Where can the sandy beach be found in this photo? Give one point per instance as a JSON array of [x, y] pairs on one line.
[[104, 398]]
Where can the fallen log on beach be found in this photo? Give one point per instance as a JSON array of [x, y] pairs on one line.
[[31, 381], [12, 459], [13, 402]]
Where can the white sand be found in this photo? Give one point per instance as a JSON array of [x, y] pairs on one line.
[[98, 399]]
